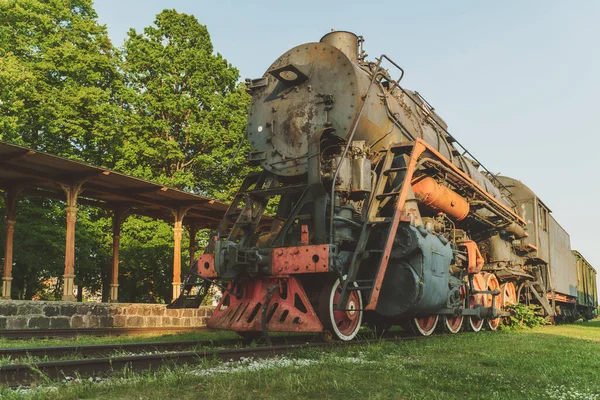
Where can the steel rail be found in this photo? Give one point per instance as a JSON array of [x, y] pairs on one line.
[[26, 374], [61, 333], [106, 349]]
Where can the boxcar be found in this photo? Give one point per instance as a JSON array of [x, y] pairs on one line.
[[587, 289]]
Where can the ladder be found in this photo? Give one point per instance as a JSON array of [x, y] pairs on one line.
[[237, 222], [371, 251], [248, 217]]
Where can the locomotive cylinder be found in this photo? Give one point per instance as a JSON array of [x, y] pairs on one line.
[[434, 195]]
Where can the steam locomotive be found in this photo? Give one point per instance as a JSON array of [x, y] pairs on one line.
[[381, 216]]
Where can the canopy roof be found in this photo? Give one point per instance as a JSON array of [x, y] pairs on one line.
[[43, 174]]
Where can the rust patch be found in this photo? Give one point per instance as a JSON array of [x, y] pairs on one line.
[[300, 260], [206, 266], [304, 235]]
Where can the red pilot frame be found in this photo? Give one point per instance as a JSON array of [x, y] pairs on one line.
[[275, 304], [278, 300]]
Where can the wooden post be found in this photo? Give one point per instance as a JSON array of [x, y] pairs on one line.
[[71, 191], [116, 228], [177, 231], [12, 197], [192, 230]]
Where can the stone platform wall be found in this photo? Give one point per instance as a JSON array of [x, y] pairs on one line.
[[64, 315]]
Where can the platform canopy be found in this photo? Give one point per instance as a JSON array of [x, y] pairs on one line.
[[45, 175]]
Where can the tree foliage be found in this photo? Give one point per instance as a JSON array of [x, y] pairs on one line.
[[59, 78], [38, 252], [59, 84], [166, 108], [186, 112]]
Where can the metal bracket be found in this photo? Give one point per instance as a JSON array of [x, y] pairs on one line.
[[253, 84], [255, 157]]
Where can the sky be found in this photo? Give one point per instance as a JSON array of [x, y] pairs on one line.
[[517, 82]]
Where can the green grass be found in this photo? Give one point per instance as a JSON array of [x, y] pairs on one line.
[[582, 330], [543, 363]]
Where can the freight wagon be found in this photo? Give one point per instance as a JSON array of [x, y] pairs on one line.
[[587, 288]]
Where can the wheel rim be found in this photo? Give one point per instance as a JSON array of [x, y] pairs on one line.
[[345, 322], [453, 324], [425, 325], [491, 283], [475, 324], [508, 295]]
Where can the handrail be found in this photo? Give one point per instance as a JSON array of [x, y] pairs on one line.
[[464, 149], [491, 176], [395, 65]]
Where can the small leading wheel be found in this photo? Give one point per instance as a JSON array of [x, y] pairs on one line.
[[381, 328], [424, 326], [475, 300], [342, 321], [452, 324], [508, 294], [405, 324], [491, 283]]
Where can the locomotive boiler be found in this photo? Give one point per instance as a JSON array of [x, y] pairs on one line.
[[380, 215]]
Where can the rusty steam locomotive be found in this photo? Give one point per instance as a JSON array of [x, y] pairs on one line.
[[382, 217]]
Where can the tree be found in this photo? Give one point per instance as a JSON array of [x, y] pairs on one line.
[[186, 112], [17, 88], [147, 251], [59, 86], [167, 109], [185, 115], [59, 80]]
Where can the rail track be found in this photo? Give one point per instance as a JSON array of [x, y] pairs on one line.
[[108, 349], [27, 374], [62, 333]]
